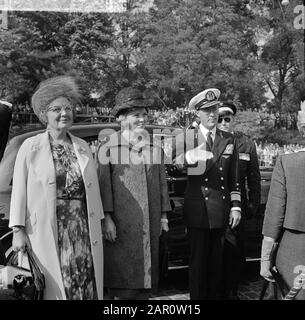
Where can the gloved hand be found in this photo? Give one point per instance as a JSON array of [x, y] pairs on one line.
[[266, 266], [198, 154], [267, 258]]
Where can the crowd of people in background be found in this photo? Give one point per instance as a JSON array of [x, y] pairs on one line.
[[277, 120], [184, 117], [268, 152], [180, 117]]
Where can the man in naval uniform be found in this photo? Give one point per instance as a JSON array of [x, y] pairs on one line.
[[234, 249], [212, 196]]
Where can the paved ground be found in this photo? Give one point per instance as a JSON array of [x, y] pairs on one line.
[[175, 287]]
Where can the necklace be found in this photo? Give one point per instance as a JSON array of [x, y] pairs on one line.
[[64, 143]]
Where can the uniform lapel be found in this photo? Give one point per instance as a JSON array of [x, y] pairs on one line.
[[239, 142], [219, 145]]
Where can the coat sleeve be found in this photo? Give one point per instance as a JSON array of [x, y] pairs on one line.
[[276, 203], [105, 182], [253, 180], [18, 205], [234, 181]]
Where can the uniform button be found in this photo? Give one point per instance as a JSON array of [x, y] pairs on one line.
[[221, 178], [206, 179], [91, 214], [206, 189], [95, 242], [220, 168], [223, 197], [206, 198], [222, 187], [89, 184]]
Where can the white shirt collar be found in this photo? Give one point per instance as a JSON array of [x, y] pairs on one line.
[[205, 131]]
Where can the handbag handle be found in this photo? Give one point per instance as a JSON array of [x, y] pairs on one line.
[[264, 289], [276, 295], [38, 277], [280, 282], [280, 288]]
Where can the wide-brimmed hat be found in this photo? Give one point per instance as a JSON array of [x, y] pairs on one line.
[[205, 99], [51, 89], [130, 98], [227, 107]]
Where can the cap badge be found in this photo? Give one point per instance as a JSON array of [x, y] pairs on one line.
[[210, 95]]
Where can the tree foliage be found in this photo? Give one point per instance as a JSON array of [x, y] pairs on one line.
[[173, 50], [200, 44], [280, 60], [42, 44]]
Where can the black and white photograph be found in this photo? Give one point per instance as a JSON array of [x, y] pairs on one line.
[[152, 150]]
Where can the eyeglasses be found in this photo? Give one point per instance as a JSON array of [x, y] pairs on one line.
[[226, 119], [59, 109]]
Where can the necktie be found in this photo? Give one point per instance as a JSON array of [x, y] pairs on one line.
[[209, 141]]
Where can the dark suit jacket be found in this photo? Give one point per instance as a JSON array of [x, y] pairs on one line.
[[211, 192], [249, 174], [286, 198]]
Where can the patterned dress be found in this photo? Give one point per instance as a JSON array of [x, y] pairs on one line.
[[72, 222]]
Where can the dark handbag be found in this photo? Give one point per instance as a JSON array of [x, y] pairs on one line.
[[276, 290], [28, 287]]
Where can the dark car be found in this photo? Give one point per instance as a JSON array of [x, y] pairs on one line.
[[177, 237], [92, 133]]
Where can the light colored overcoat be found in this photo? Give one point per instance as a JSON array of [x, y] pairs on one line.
[[33, 205]]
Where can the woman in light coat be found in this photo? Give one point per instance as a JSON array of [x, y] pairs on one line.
[[55, 207]]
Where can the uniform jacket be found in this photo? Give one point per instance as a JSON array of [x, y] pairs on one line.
[[135, 195], [33, 205], [249, 174], [286, 200], [212, 191]]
